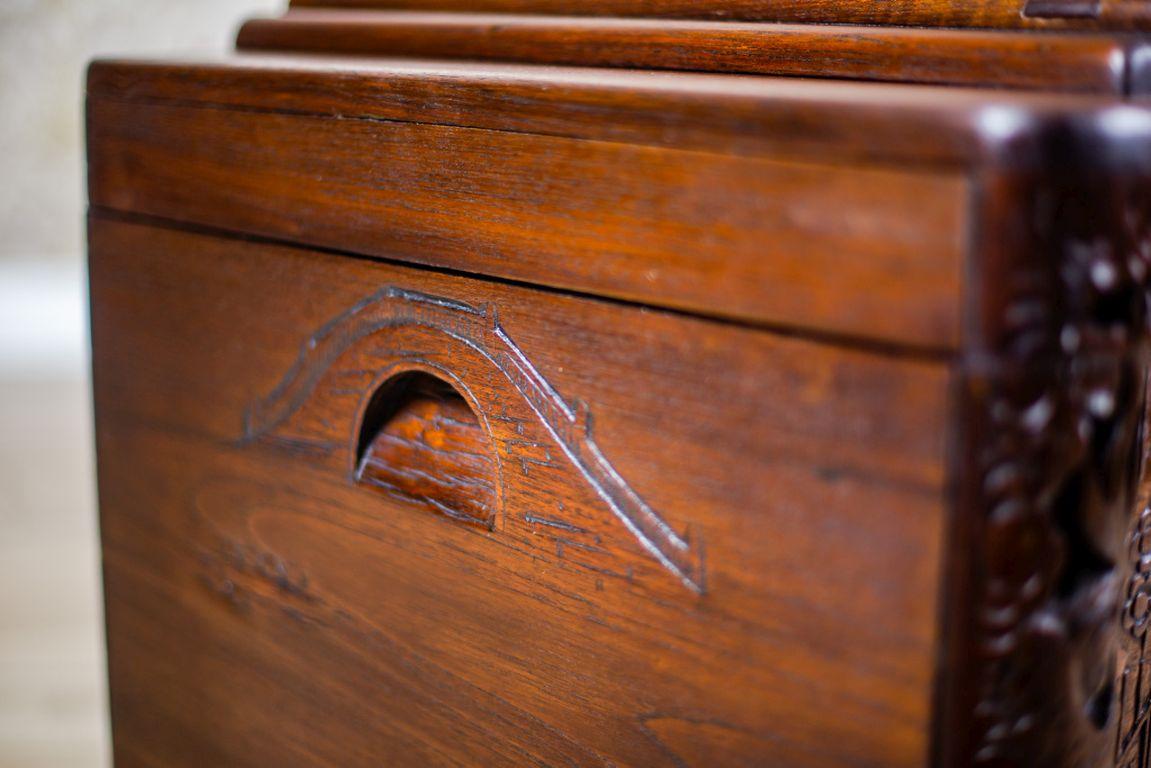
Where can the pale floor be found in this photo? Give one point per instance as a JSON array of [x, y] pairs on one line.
[[52, 697], [52, 691]]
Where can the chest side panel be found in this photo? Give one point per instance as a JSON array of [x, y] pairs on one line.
[[709, 544]]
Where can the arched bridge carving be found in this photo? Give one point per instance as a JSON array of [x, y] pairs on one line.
[[391, 331]]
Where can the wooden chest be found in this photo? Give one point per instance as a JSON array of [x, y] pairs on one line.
[[477, 387]]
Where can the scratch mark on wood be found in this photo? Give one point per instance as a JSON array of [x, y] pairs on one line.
[[554, 523]]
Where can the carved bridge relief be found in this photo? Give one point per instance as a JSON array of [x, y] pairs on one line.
[[542, 439]]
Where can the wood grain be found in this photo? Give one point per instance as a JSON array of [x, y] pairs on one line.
[[285, 595], [775, 117], [762, 420], [422, 443], [730, 236], [1036, 14], [1064, 62]]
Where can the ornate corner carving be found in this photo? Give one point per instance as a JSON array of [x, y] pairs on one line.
[[1133, 737], [1055, 409]]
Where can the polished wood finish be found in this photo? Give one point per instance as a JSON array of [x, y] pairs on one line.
[[1064, 62], [1047, 522], [422, 443], [1006, 14], [800, 119], [716, 234], [486, 413], [287, 598]]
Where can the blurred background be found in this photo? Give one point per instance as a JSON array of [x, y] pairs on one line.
[[53, 709]]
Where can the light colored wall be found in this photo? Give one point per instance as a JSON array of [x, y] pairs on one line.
[[53, 699], [44, 47]]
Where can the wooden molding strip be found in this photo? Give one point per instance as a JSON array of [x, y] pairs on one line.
[[796, 119], [1021, 60], [1005, 14]]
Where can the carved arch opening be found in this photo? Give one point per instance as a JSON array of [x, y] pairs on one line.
[[421, 442], [532, 426]]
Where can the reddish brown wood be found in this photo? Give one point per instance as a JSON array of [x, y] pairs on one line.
[[1035, 14], [806, 478], [755, 420], [760, 116], [1064, 62], [721, 235], [421, 442]]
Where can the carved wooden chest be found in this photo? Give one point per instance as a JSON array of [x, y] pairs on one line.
[[478, 386]]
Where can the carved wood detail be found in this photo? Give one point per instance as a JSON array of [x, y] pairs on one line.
[[1133, 687], [421, 443], [1054, 452], [539, 429], [1133, 740]]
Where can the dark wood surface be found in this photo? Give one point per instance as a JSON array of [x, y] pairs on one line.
[[722, 235], [421, 442], [1032, 14], [1047, 426], [481, 413], [307, 619], [1063, 62], [524, 191], [796, 118]]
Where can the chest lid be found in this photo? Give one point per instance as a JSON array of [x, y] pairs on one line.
[[841, 209]]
